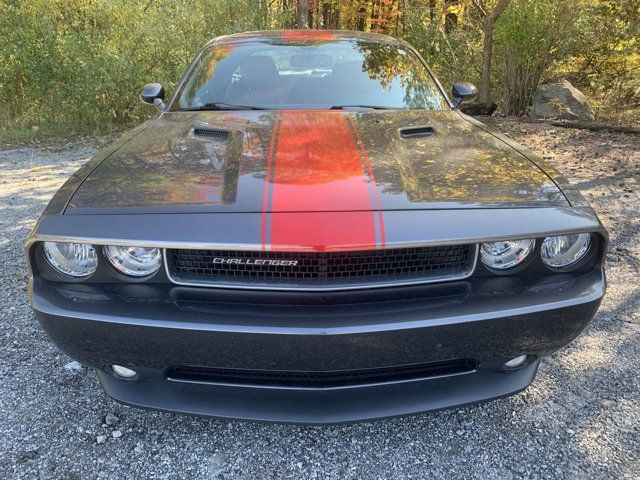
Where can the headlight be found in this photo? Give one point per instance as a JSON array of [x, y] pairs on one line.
[[505, 254], [564, 250], [74, 259], [134, 261]]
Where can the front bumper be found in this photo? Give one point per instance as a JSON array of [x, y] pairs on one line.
[[151, 328], [317, 406]]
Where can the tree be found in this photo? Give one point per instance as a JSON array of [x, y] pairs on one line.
[[302, 15], [488, 24]]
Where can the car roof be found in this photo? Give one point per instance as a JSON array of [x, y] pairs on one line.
[[302, 36]]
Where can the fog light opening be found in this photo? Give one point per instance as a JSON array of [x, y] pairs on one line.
[[123, 372], [516, 362]]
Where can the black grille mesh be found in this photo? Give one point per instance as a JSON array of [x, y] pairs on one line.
[[211, 132], [321, 269], [417, 132]]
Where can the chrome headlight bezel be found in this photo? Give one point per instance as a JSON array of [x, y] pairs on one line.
[[136, 262], [505, 256], [60, 257], [581, 244]]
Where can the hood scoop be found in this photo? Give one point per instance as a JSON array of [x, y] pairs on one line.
[[417, 132], [217, 133], [217, 162]]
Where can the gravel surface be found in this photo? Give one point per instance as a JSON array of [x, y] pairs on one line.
[[580, 418]]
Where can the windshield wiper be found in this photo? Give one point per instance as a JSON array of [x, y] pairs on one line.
[[373, 107], [221, 106]]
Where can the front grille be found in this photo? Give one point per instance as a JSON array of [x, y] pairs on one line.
[[322, 270], [319, 379]]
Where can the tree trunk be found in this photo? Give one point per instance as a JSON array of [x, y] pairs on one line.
[[361, 24], [302, 18], [488, 24]]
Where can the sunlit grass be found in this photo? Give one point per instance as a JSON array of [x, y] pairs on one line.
[[29, 131]]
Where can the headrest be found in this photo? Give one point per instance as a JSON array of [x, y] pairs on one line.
[[259, 68]]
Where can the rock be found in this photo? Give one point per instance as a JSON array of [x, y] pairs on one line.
[[560, 99], [73, 367], [216, 464], [478, 108], [116, 434], [30, 453], [101, 439], [110, 419]]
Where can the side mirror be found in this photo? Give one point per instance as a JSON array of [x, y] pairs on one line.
[[153, 94], [463, 93]]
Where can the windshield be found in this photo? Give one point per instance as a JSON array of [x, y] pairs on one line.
[[309, 75]]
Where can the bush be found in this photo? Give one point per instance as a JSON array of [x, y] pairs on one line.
[[610, 68], [454, 56], [79, 64], [531, 36]]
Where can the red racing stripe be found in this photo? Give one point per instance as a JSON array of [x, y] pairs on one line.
[[318, 173]]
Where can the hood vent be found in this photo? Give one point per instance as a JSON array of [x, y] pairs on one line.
[[211, 133], [417, 132]]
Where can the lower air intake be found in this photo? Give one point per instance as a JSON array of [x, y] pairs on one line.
[[319, 379]]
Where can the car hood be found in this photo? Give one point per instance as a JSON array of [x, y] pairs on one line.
[[312, 161]]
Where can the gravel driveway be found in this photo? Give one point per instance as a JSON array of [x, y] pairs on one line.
[[580, 419]]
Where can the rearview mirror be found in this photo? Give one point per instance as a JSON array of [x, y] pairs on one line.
[[463, 93], [153, 94]]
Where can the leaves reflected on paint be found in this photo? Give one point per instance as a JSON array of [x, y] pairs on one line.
[[459, 163]]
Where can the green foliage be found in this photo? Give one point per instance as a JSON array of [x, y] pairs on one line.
[[530, 37], [455, 55], [77, 65], [81, 63], [610, 68]]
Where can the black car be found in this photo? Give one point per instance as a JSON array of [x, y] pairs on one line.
[[311, 231]]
